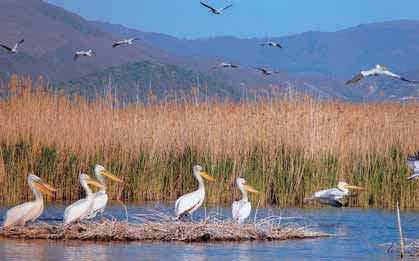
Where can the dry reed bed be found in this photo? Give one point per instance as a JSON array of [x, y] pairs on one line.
[[287, 147], [157, 231]]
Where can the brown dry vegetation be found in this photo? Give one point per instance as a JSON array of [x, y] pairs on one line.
[[286, 146]]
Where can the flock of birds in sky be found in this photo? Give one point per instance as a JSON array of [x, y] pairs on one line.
[[95, 203], [379, 70]]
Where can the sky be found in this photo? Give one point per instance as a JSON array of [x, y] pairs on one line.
[[246, 18]]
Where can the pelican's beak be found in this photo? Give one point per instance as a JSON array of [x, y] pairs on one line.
[[44, 188], [250, 189], [353, 187], [111, 176], [95, 183], [206, 176]]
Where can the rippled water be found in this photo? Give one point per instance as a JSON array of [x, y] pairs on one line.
[[358, 236]]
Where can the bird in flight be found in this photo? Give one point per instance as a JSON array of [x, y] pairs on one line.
[[125, 41], [215, 10], [377, 71], [226, 65], [12, 50], [272, 44], [265, 71], [88, 53]]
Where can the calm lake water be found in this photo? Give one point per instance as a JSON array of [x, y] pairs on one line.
[[358, 232]]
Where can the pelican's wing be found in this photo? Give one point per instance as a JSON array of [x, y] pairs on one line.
[[356, 78], [99, 204], [396, 76], [261, 69], [188, 203], [19, 43], [6, 47], [225, 8], [330, 202], [208, 6], [413, 162], [414, 176], [76, 56], [234, 66], [76, 211], [19, 215], [235, 209], [116, 44]]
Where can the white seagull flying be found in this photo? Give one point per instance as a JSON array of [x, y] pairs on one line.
[[272, 44], [12, 50], [241, 209], [125, 41], [190, 202], [413, 163], [332, 196], [377, 71], [226, 65], [88, 53], [265, 71], [215, 10]]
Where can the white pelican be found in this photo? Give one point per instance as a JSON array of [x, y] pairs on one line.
[[100, 197], [266, 72], [226, 65], [190, 202], [241, 209], [332, 196], [413, 163], [88, 53], [13, 50], [83, 208], [377, 71], [272, 44], [21, 214], [215, 10], [125, 41]]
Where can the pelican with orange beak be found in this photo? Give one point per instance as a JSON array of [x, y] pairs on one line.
[[29, 211], [241, 209], [190, 202], [332, 196], [100, 197], [83, 208]]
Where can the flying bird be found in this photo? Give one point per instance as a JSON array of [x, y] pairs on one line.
[[272, 44], [226, 65], [190, 202], [215, 10], [241, 209], [413, 163], [88, 53], [265, 71], [12, 50], [100, 197], [333, 196], [29, 211], [83, 208], [125, 41], [377, 71]]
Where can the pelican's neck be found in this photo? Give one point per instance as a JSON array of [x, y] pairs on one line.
[[101, 180], [87, 189], [344, 190], [200, 181], [244, 193], [36, 192]]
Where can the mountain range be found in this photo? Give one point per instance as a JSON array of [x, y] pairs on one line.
[[317, 63]]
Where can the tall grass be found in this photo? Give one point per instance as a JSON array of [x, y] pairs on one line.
[[286, 146]]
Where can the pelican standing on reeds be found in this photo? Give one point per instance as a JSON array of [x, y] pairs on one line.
[[241, 209], [100, 197], [190, 202], [29, 211], [83, 208], [332, 196]]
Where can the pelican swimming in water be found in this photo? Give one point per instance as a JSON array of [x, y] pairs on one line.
[[12, 50], [190, 202], [377, 71], [413, 163], [83, 208], [215, 10], [241, 209], [29, 211], [332, 196], [100, 197]]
